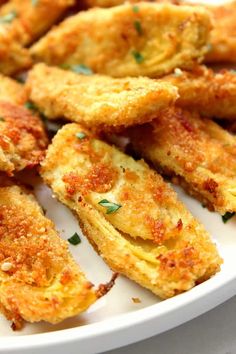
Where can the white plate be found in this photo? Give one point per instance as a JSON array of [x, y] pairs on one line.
[[116, 320]]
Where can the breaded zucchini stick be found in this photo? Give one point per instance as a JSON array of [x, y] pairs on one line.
[[39, 280], [23, 140], [211, 94], [130, 215], [197, 151], [12, 91], [27, 20], [151, 39], [96, 100], [223, 36]]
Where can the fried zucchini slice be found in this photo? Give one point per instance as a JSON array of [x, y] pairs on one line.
[[150, 42], [130, 215], [39, 280], [27, 20], [211, 94], [22, 138], [223, 36], [12, 91], [197, 151], [96, 100], [13, 57]]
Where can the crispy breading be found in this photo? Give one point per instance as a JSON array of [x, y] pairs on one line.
[[151, 41], [22, 138], [12, 91], [148, 234], [223, 36], [197, 151], [211, 94], [39, 280], [29, 20], [96, 100], [13, 57]]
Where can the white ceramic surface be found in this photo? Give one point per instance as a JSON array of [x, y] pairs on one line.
[[116, 320]]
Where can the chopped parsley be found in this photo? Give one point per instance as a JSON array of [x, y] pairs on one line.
[[30, 105], [2, 119], [34, 2], [135, 9], [80, 135], [111, 207], [138, 27], [78, 69], [74, 240], [227, 216], [8, 18], [138, 57]]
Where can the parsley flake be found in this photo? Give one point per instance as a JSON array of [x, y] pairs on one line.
[[74, 240], [135, 9], [78, 69], [34, 2], [138, 57], [8, 18], [111, 207], [138, 27], [30, 105], [80, 135], [227, 216], [2, 119]]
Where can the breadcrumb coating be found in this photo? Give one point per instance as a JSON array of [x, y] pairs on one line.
[[23, 140], [97, 101], [144, 231], [12, 91], [39, 280], [196, 151], [211, 94], [121, 41]]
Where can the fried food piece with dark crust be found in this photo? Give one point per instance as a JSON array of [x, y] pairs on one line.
[[197, 151], [131, 216], [39, 280], [12, 91], [149, 42], [23, 140], [27, 20], [211, 94], [96, 100], [223, 35]]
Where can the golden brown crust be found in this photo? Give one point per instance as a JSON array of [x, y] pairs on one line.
[[39, 280], [197, 150], [223, 36], [96, 100], [32, 20], [151, 237], [23, 140], [12, 91], [150, 42], [211, 94]]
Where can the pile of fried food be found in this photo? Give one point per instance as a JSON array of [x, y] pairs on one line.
[[117, 71]]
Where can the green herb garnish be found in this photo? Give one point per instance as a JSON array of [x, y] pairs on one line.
[[30, 105], [138, 27], [227, 216], [78, 69], [135, 9], [80, 135], [138, 57], [75, 239], [111, 207], [2, 119], [34, 2], [8, 18]]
